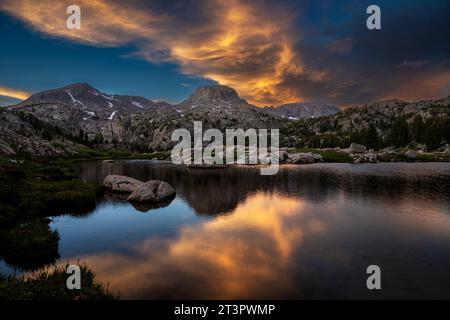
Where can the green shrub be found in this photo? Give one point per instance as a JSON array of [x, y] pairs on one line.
[[50, 284]]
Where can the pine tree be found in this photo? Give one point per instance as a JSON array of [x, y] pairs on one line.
[[416, 129], [432, 137], [399, 136], [372, 138]]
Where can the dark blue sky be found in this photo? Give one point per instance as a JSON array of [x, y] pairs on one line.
[[270, 51], [32, 62]]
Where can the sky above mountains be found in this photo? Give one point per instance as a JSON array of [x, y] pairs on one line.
[[271, 52]]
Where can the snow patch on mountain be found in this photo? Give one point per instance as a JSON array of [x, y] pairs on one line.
[[137, 104], [73, 99], [112, 115]]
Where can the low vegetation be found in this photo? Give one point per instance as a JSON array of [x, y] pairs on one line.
[[32, 191], [29, 245], [50, 284], [41, 189]]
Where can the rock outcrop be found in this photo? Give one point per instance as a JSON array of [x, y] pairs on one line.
[[357, 148]]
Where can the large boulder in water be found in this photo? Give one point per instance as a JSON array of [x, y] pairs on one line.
[[121, 184], [152, 191]]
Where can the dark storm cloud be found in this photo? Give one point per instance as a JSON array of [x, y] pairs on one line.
[[414, 35]]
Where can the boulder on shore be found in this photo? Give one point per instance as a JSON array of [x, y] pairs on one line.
[[367, 157], [411, 154], [152, 191], [357, 148], [121, 184], [300, 158], [447, 149], [317, 157]]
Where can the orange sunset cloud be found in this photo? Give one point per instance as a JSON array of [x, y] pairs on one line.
[[14, 93], [243, 45]]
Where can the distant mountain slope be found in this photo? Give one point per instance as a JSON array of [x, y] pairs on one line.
[[52, 122], [379, 124], [136, 122], [306, 110], [92, 102]]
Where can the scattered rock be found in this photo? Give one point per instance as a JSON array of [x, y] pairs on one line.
[[121, 184], [357, 148], [447, 149], [371, 157], [317, 157], [6, 149], [301, 158], [387, 155], [284, 156], [367, 157], [153, 191], [411, 154]]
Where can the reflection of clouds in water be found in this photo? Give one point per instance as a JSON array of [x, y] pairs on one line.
[[300, 234], [245, 254]]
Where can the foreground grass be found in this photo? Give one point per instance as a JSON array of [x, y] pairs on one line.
[[49, 187], [30, 245], [50, 284], [32, 190], [40, 189]]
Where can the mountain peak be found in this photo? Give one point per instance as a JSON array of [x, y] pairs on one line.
[[217, 92], [91, 102], [80, 86]]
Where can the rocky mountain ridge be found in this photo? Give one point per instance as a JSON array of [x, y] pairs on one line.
[[423, 124], [52, 122], [303, 110], [87, 115]]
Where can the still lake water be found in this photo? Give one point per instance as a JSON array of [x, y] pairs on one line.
[[309, 232]]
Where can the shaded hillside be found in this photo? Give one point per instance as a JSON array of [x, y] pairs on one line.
[[387, 123]]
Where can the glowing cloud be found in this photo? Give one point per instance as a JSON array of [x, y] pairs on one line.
[[246, 253], [257, 47], [14, 93], [244, 45]]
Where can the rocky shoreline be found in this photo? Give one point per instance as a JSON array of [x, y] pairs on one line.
[[358, 153]]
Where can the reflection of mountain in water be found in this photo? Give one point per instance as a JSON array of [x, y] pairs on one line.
[[219, 191]]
